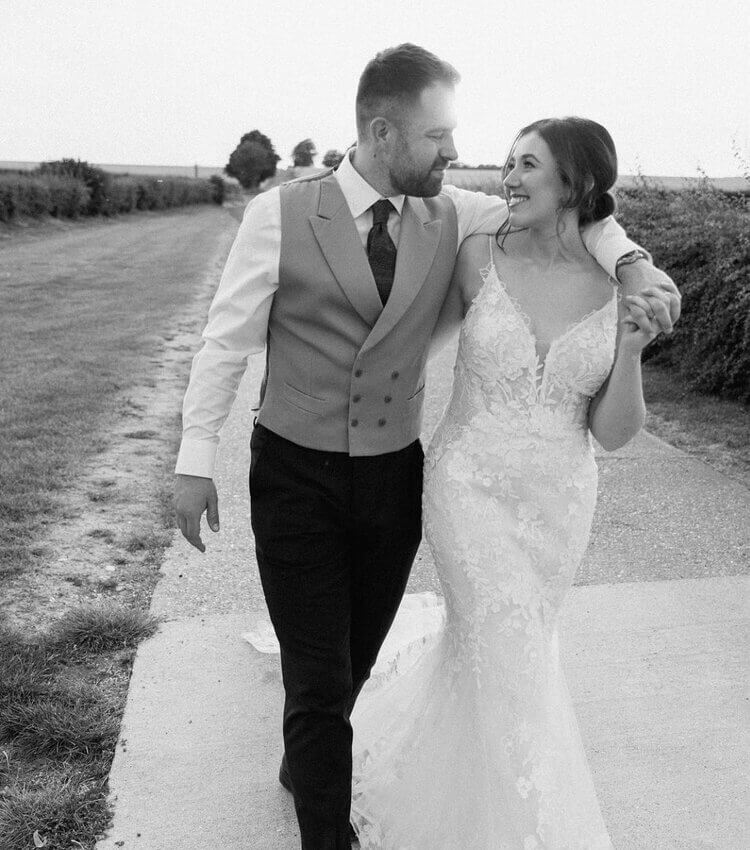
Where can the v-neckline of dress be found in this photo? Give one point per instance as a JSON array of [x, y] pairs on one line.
[[541, 361]]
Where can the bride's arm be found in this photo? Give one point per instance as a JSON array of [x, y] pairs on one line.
[[618, 411], [464, 285]]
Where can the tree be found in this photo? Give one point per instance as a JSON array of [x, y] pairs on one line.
[[253, 160], [332, 158], [304, 152]]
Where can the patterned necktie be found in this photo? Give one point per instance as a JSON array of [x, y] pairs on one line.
[[381, 252]]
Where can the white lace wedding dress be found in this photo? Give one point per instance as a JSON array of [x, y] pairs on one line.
[[475, 746]]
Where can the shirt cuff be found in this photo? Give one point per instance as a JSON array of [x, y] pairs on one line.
[[197, 457]]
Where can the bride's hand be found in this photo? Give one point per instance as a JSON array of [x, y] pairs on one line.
[[638, 325]]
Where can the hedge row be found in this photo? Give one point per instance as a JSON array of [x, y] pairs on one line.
[[71, 189], [701, 238]]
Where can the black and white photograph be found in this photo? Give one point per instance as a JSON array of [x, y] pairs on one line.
[[375, 415]]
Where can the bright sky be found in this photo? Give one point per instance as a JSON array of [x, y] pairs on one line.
[[178, 82]]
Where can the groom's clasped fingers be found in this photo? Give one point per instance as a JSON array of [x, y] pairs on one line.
[[641, 312], [652, 305], [665, 300]]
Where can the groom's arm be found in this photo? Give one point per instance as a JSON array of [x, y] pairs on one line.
[[237, 327], [646, 290]]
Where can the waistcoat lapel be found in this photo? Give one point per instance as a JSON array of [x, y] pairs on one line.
[[417, 246], [339, 241]]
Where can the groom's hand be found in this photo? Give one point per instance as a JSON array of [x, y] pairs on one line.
[[192, 496], [659, 299]]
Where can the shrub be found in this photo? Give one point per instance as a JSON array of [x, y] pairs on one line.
[[701, 238], [156, 193], [124, 194], [69, 188], [33, 198], [8, 196], [97, 181], [37, 195], [69, 197], [219, 189]]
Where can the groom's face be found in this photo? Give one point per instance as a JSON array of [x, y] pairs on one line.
[[423, 144]]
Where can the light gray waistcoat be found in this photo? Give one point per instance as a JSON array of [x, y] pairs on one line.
[[346, 374]]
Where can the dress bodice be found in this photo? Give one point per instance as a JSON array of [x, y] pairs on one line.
[[502, 384]]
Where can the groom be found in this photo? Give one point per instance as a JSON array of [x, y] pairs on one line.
[[341, 277]]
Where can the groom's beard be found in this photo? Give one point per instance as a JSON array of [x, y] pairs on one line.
[[408, 180]]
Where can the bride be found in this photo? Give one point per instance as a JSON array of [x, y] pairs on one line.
[[476, 746]]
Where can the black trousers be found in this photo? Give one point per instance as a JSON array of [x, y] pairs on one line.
[[335, 539]]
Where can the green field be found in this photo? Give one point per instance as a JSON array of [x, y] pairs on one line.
[[489, 180]]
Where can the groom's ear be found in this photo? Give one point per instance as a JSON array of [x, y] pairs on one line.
[[380, 129]]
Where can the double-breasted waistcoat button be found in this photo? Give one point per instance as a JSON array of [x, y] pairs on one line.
[[394, 375], [354, 423], [381, 422], [387, 399], [357, 373], [356, 398]]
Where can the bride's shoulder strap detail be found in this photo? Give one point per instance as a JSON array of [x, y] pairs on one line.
[[484, 271]]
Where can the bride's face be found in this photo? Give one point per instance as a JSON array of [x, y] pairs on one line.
[[533, 186]]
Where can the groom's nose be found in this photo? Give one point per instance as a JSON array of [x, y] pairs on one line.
[[448, 150]]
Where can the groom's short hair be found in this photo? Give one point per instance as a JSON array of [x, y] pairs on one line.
[[396, 77]]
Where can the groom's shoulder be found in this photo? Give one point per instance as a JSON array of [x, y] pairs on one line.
[[305, 189], [309, 178], [453, 194], [442, 203]]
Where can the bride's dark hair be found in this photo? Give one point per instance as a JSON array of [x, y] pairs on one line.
[[586, 160]]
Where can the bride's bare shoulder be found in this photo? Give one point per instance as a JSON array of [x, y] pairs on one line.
[[473, 256]]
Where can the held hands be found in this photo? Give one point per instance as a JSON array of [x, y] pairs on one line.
[[637, 327], [651, 298], [192, 496]]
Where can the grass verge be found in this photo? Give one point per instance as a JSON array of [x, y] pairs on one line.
[[97, 332], [61, 701], [715, 430]]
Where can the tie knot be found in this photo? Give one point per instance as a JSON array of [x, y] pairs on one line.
[[381, 210]]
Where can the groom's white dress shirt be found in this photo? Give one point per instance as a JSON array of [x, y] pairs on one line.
[[238, 317]]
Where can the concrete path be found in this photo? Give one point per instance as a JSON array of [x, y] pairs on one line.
[[654, 642]]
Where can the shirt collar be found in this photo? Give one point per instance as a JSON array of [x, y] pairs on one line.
[[359, 194]]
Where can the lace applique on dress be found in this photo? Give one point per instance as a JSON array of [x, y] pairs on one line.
[[476, 746]]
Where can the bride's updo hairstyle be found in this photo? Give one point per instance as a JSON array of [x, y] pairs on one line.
[[586, 161]]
